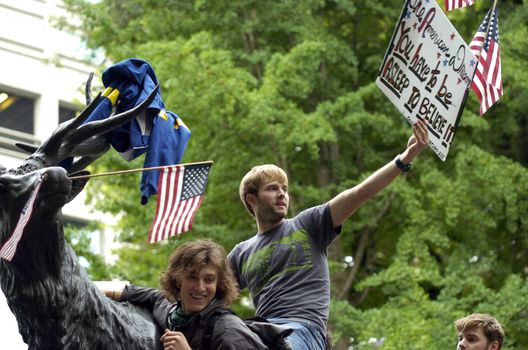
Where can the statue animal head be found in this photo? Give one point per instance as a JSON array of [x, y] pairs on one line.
[[83, 142], [56, 304]]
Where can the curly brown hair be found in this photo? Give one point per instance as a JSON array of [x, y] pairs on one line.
[[189, 258]]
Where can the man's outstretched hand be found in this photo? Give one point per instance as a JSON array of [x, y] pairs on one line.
[[417, 142]]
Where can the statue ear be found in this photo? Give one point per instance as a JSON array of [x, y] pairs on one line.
[[29, 149], [77, 184]]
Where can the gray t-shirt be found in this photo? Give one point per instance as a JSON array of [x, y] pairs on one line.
[[286, 268]]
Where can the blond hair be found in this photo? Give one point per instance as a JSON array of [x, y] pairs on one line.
[[255, 177], [190, 257], [489, 324]]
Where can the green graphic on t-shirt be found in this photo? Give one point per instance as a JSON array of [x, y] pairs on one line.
[[290, 253]]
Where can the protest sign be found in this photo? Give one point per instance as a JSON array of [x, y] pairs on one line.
[[427, 71]]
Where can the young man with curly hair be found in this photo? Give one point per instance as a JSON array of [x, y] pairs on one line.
[[197, 287]]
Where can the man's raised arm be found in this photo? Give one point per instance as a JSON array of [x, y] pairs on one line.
[[347, 202]]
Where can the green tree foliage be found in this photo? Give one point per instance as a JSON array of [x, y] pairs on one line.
[[291, 82], [79, 239]]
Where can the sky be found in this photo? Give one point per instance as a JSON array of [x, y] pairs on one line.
[[11, 338]]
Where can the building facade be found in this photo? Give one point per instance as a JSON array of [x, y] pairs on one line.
[[42, 75], [42, 78]]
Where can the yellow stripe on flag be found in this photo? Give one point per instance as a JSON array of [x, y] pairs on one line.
[[163, 114], [179, 123], [112, 94]]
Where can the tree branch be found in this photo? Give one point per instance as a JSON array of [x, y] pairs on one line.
[[361, 248]]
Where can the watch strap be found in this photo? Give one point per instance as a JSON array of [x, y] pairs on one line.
[[401, 165]]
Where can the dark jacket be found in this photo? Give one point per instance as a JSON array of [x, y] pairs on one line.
[[228, 330]]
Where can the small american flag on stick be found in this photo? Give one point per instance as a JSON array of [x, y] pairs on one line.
[[487, 82], [455, 4], [10, 246], [180, 193]]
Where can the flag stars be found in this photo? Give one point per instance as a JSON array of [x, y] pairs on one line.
[[445, 62], [195, 180]]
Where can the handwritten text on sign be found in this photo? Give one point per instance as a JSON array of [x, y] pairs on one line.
[[427, 71]]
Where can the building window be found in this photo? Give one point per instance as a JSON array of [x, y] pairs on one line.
[[66, 113], [16, 112]]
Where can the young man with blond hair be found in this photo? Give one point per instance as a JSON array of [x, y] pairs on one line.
[[285, 264], [479, 332]]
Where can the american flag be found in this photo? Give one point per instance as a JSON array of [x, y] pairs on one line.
[[455, 4], [9, 248], [180, 193], [487, 82]]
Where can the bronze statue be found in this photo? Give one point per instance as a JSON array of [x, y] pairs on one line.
[[56, 304]]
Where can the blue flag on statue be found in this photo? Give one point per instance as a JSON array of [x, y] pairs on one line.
[[159, 133]]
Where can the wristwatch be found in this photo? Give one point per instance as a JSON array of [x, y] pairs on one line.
[[403, 167]]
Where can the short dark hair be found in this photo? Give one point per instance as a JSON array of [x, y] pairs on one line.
[[190, 257], [489, 324]]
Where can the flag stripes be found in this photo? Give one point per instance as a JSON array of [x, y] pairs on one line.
[[487, 82], [455, 4], [9, 248], [180, 194], [477, 43]]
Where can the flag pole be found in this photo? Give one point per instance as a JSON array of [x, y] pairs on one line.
[[129, 171]]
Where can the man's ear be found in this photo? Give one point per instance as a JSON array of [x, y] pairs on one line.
[[494, 345], [251, 199]]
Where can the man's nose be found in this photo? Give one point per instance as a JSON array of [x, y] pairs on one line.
[[200, 285]]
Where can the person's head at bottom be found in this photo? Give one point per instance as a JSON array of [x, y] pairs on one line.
[[479, 332], [197, 273]]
